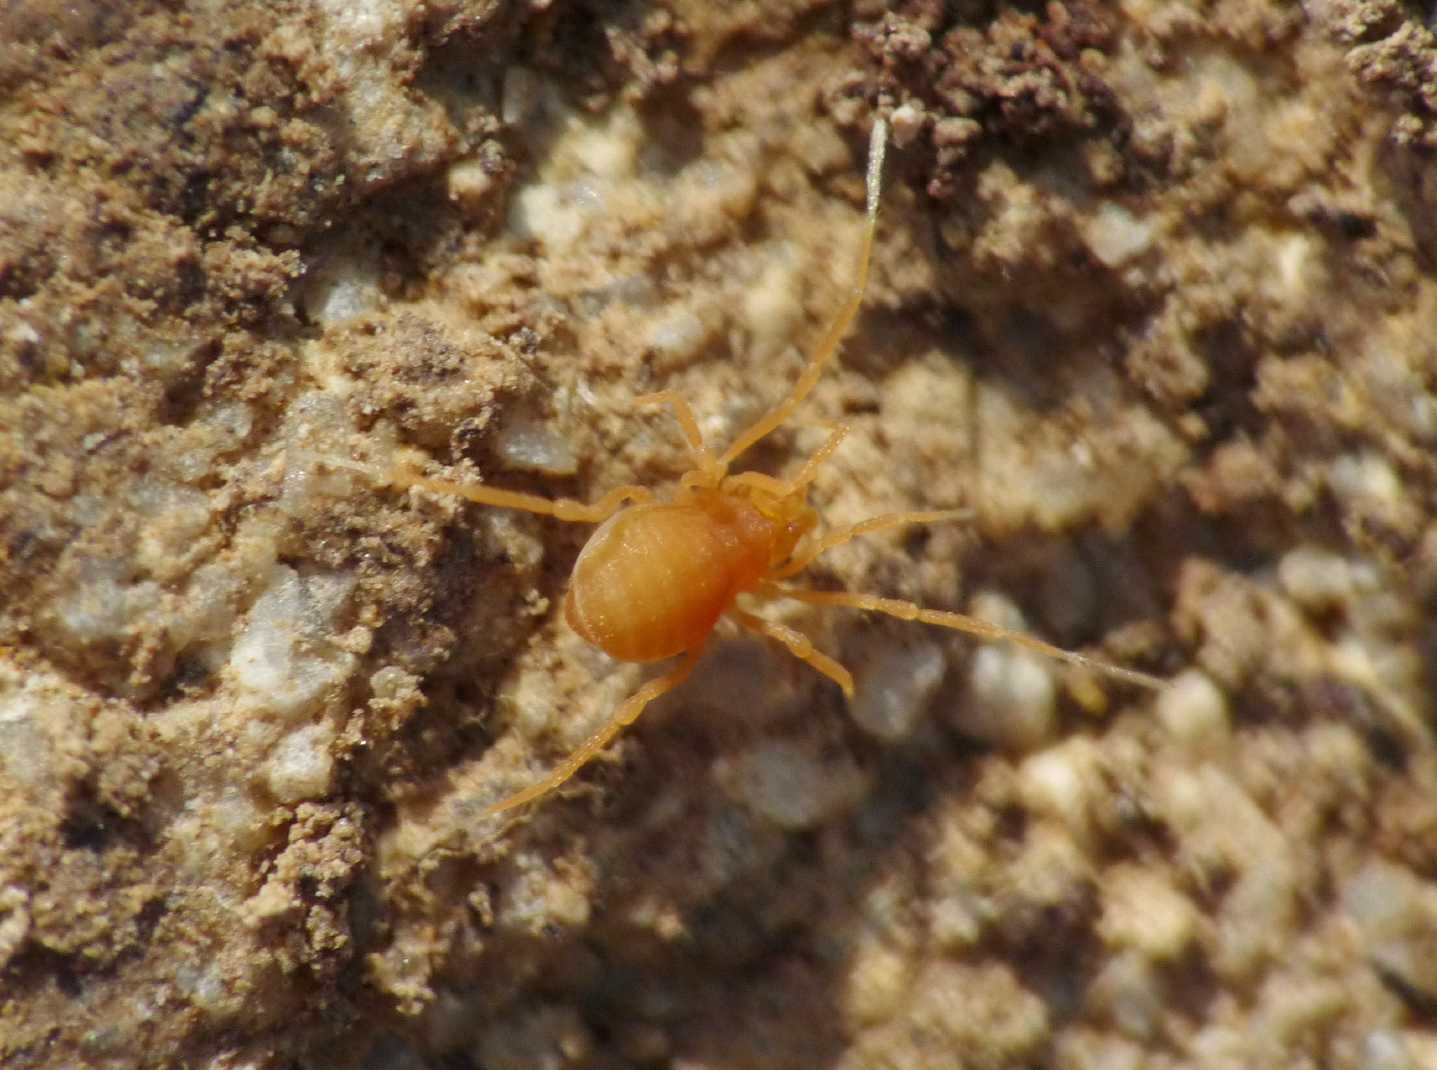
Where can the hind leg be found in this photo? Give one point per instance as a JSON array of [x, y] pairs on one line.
[[625, 715]]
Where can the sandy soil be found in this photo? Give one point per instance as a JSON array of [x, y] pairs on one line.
[[1153, 297]]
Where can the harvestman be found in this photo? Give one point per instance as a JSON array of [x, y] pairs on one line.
[[654, 579]]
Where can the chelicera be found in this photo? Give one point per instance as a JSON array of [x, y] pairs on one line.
[[658, 574]]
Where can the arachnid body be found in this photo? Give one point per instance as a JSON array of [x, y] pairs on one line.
[[657, 575]]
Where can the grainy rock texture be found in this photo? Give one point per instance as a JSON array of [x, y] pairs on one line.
[[1153, 297]]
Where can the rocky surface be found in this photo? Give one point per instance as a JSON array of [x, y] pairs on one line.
[[1153, 297]]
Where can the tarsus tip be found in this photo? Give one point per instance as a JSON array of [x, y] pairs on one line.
[[877, 145]]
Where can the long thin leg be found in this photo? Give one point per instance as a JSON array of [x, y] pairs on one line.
[[961, 622], [559, 508], [799, 645], [684, 414], [806, 556], [809, 471], [828, 345], [401, 475], [625, 715]]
